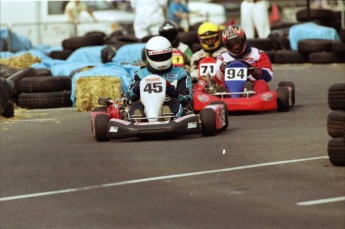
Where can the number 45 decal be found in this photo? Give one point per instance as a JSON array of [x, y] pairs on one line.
[[153, 87], [235, 74]]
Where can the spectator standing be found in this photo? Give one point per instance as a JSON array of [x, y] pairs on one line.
[[177, 11], [149, 14], [73, 10], [254, 15]]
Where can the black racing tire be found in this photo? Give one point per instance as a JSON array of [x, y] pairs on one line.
[[314, 45], [18, 76], [208, 122], [336, 96], [195, 47], [8, 109], [270, 55], [283, 104], [264, 44], [60, 54], [7, 71], [226, 113], [41, 72], [46, 84], [289, 57], [338, 47], [336, 123], [102, 109], [324, 58], [121, 40], [41, 100], [101, 127], [336, 151], [342, 35], [314, 14], [291, 85], [188, 38], [75, 43]]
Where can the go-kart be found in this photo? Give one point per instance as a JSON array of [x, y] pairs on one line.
[[237, 96], [113, 119]]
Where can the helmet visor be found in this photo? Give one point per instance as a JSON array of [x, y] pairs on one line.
[[235, 46], [159, 55]]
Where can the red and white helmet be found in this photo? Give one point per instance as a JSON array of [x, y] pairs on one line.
[[158, 52], [234, 39]]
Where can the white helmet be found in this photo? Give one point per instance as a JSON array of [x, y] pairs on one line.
[[159, 53]]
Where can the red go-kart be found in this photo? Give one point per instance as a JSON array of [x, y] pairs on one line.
[[237, 96]]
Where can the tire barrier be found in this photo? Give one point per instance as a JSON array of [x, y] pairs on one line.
[[336, 124], [45, 92]]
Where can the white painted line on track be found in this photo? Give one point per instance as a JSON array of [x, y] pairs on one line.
[[36, 120], [322, 201], [174, 176]]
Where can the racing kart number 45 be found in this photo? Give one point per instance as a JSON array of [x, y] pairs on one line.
[[112, 120]]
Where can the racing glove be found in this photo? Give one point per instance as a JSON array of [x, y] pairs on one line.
[[171, 90], [136, 89], [222, 67], [255, 72]]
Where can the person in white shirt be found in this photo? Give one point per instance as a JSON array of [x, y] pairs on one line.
[[254, 15], [73, 10], [149, 14]]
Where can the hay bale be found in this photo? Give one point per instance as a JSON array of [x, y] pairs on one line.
[[89, 89], [21, 62]]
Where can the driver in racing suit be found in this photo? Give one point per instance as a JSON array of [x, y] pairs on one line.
[[209, 39], [158, 52], [259, 65]]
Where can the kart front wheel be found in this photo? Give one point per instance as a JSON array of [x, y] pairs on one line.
[[226, 113], [291, 87], [283, 99], [101, 127], [208, 122]]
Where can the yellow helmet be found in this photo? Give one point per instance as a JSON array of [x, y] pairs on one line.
[[208, 34]]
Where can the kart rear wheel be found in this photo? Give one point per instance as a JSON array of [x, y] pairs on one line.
[[208, 122], [101, 127], [291, 87], [226, 113], [283, 99]]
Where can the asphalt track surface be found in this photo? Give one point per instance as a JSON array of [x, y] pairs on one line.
[[267, 170]]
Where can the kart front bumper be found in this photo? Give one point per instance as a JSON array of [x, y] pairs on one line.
[[260, 102], [118, 128]]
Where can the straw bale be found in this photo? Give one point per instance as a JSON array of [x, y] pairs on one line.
[[89, 89], [21, 62]]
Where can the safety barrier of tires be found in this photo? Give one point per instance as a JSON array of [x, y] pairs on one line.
[[45, 92], [336, 124]]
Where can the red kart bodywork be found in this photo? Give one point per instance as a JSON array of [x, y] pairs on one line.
[[260, 102], [251, 101]]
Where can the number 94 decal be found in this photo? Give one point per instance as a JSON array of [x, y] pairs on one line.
[[235, 74]]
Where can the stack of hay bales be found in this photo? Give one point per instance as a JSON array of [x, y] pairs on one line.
[[20, 62], [89, 89]]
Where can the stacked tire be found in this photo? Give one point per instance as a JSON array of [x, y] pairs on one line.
[[45, 92], [336, 124]]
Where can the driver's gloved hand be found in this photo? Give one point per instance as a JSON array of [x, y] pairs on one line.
[[222, 66], [255, 72], [136, 89], [171, 90]]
